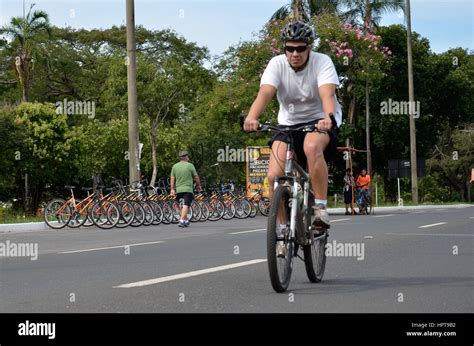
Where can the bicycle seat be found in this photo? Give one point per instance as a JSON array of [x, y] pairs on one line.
[[69, 187], [86, 188]]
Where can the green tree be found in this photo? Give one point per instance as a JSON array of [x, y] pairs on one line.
[[452, 158], [46, 149], [23, 32]]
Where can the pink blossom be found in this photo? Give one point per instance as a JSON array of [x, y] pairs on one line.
[[389, 52]]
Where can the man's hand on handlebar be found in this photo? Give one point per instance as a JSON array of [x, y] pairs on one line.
[[324, 124], [251, 124]]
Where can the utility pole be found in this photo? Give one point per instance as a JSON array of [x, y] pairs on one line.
[[368, 28], [134, 160], [411, 102]]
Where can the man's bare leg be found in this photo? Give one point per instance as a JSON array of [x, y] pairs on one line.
[[276, 168], [314, 146], [184, 212]]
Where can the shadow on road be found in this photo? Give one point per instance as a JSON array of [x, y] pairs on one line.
[[351, 285]]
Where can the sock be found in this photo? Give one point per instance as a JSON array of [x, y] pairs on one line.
[[321, 201]]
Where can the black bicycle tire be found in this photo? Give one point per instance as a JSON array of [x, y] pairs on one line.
[[45, 210], [314, 274], [272, 260]]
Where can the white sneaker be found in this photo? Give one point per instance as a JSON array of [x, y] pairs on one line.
[[321, 217]]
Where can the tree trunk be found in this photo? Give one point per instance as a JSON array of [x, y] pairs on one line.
[[352, 105], [468, 188], [153, 135]]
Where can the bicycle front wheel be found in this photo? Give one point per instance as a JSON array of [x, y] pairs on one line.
[[279, 242], [57, 213]]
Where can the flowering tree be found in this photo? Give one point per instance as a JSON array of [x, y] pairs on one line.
[[358, 56]]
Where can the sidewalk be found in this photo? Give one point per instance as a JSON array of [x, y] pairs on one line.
[[41, 226]]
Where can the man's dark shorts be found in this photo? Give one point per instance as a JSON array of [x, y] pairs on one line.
[[186, 196], [298, 137], [348, 196]]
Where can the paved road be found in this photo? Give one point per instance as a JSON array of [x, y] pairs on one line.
[[409, 265]]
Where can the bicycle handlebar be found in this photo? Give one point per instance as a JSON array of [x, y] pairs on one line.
[[287, 129]]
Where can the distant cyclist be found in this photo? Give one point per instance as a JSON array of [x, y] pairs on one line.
[[183, 175], [362, 183], [305, 84]]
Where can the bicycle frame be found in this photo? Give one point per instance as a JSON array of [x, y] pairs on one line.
[[294, 180]]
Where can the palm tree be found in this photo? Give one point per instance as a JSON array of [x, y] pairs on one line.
[[307, 9], [23, 31]]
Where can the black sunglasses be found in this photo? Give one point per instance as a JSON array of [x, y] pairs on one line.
[[299, 49]]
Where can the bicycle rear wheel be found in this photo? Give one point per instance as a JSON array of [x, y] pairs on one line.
[[279, 268], [264, 205], [149, 215], [204, 211], [140, 214], [127, 213], [230, 210], [197, 211], [105, 214], [315, 251], [216, 209]]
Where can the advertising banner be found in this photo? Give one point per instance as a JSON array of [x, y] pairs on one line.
[[257, 168]]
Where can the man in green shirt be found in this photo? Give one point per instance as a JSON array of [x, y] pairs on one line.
[[183, 175]]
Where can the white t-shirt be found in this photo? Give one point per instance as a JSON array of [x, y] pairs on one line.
[[298, 92]]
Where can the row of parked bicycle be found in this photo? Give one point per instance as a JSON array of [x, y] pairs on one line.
[[122, 206]]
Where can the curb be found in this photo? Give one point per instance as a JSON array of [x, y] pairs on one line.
[[41, 226]]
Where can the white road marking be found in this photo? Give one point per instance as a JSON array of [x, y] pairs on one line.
[[418, 212], [441, 209], [189, 274], [471, 217], [368, 237], [384, 215], [433, 224], [436, 235], [110, 247], [251, 231], [339, 220]]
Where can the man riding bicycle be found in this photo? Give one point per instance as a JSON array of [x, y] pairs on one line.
[[305, 83]]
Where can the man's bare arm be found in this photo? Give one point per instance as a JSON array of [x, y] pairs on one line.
[[327, 94], [198, 183], [172, 181], [264, 96]]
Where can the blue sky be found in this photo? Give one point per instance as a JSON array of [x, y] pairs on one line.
[[218, 24]]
